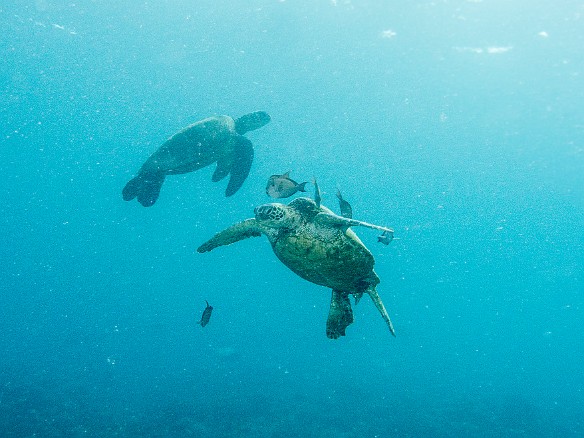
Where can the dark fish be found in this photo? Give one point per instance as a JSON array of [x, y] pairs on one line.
[[317, 197], [206, 315], [281, 186], [346, 210], [386, 237]]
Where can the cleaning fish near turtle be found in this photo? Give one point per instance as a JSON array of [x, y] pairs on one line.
[[346, 209], [282, 186], [386, 237], [317, 197], [206, 315]]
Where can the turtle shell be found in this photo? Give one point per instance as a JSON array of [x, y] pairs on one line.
[[194, 147], [324, 254]]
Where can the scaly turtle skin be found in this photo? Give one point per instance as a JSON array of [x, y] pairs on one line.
[[215, 139], [318, 246]]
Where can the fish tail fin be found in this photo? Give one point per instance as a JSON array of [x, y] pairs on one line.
[[301, 186], [145, 187]]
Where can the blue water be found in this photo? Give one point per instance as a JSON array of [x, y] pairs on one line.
[[458, 123]]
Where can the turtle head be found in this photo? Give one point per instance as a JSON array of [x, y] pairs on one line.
[[274, 215], [251, 122]]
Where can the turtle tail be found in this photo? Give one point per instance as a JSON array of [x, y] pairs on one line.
[[146, 187]]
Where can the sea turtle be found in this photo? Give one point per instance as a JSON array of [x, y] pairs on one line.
[[319, 246], [215, 139]]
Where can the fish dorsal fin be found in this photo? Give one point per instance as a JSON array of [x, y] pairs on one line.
[[286, 175]]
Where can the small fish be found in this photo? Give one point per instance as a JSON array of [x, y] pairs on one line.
[[206, 315], [386, 237], [317, 197], [346, 210], [281, 186]]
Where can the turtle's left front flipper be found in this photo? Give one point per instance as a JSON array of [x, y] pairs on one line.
[[235, 233], [242, 159]]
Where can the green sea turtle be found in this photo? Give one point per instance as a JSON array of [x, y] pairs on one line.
[[319, 246], [215, 139]]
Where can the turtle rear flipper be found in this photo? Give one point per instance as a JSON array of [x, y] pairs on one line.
[[235, 233], [251, 122], [340, 315], [243, 157], [145, 186], [379, 304]]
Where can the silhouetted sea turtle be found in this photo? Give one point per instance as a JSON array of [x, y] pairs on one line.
[[215, 139], [318, 246]]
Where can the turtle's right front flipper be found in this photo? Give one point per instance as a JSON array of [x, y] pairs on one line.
[[333, 220], [235, 233]]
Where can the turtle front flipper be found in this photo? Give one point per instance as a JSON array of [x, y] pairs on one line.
[[242, 159], [379, 304], [333, 220], [223, 168], [340, 315], [235, 233]]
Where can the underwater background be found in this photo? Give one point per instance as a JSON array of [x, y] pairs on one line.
[[458, 123]]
